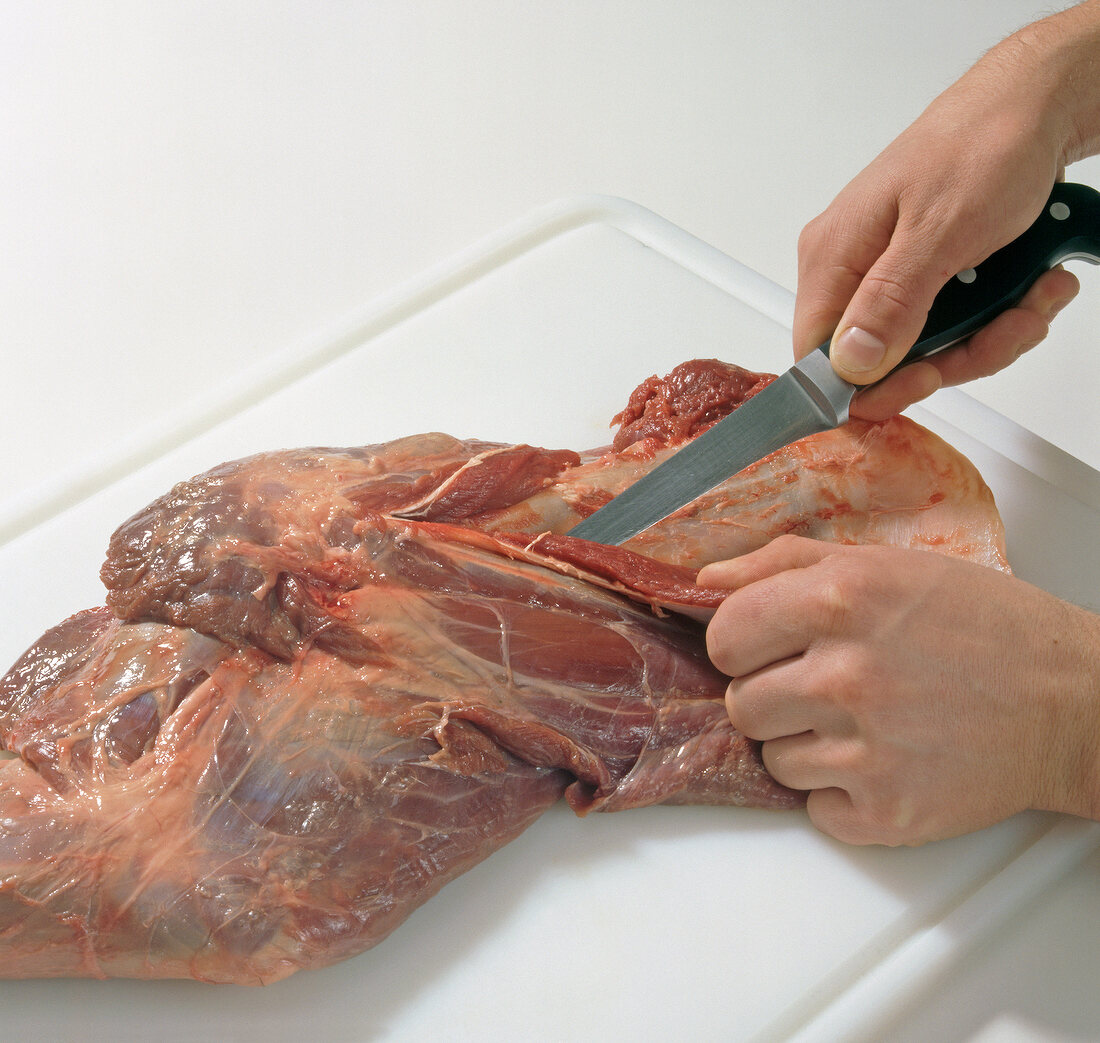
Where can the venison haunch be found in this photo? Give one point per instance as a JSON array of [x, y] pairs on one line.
[[327, 681]]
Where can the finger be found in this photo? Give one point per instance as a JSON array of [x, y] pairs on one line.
[[835, 252], [803, 761], [762, 707], [1012, 333], [757, 627], [776, 619], [782, 702], [766, 617], [990, 350], [1051, 292], [833, 812], [886, 313], [903, 387], [781, 554], [819, 305], [778, 609]]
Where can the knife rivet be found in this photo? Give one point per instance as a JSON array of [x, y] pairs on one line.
[[967, 276], [1059, 211]]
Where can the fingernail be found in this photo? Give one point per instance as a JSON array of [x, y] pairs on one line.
[[857, 351]]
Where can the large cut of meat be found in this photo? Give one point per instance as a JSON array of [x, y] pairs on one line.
[[327, 681]]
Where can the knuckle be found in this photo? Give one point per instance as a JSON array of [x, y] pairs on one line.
[[785, 545], [845, 684], [832, 603], [814, 233], [833, 812], [720, 649], [853, 820], [885, 822], [747, 710], [736, 709], [889, 294]]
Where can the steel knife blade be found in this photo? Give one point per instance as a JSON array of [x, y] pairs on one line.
[[810, 398]]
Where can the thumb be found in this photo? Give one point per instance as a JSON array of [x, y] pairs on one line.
[[885, 315]]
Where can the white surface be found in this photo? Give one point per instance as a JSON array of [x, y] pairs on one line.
[[579, 924], [191, 189]]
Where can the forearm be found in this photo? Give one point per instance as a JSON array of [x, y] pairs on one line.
[[1072, 676], [1037, 92], [1062, 56]]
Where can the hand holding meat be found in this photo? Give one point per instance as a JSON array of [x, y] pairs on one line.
[[965, 179], [917, 696]]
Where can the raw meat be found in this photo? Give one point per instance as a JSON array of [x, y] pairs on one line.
[[890, 483], [328, 681]]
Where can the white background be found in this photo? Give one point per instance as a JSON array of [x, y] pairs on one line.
[[190, 189]]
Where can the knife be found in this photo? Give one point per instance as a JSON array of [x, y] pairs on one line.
[[810, 397]]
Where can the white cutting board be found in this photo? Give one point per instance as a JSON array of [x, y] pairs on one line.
[[664, 923]]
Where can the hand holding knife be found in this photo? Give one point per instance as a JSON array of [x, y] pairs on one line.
[[810, 398]]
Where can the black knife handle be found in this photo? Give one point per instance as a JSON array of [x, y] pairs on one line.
[[1068, 227]]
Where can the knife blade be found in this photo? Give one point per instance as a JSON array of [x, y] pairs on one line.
[[810, 398]]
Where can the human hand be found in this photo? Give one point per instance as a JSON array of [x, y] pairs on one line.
[[969, 176], [915, 695]]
